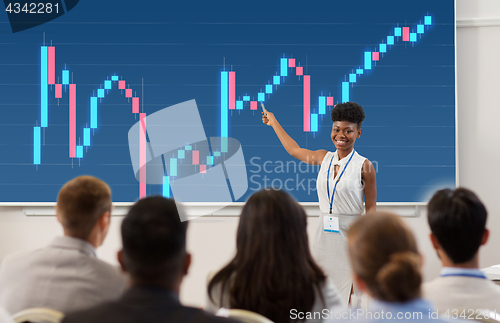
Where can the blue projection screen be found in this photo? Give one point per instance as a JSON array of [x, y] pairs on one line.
[[104, 88]]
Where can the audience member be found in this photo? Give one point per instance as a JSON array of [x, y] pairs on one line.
[[273, 272], [154, 254], [66, 275], [386, 266], [457, 219]]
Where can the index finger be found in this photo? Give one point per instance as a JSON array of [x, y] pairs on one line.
[[263, 108]]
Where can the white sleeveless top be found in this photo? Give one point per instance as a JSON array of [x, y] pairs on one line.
[[349, 195]]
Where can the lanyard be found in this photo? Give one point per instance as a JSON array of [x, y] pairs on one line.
[[337, 181]]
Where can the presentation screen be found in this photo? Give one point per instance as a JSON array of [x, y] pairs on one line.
[[165, 97]]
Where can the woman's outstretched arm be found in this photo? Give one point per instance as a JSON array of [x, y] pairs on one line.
[[311, 157]]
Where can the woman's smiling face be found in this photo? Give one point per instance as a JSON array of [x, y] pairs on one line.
[[344, 134]]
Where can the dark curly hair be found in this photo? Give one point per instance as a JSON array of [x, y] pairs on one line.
[[348, 111]]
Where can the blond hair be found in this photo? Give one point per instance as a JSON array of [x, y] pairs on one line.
[[80, 203]]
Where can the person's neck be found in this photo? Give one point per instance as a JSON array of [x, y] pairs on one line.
[[134, 282], [344, 153], [471, 264]]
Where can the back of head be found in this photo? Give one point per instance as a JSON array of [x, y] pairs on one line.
[[80, 203], [154, 241], [270, 221], [457, 218], [348, 111], [384, 255], [273, 270]]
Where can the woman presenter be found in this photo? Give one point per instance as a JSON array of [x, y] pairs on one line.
[[345, 180]]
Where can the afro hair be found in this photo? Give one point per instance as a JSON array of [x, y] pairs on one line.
[[348, 111]]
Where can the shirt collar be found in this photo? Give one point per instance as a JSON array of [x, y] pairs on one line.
[[414, 305], [344, 160], [455, 271], [66, 242]]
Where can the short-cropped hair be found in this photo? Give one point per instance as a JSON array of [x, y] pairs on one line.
[[80, 203], [458, 219], [154, 240]]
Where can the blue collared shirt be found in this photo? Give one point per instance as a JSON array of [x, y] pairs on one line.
[[415, 306]]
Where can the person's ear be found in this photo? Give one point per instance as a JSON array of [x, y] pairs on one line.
[[434, 240], [105, 220], [186, 264], [121, 261], [57, 215], [359, 132], [360, 283], [486, 236]]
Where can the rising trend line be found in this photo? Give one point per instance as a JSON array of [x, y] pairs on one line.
[[310, 120]]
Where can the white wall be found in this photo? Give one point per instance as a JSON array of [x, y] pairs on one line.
[[478, 68], [211, 240]]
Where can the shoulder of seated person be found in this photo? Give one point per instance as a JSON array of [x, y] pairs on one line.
[[432, 284], [20, 255], [106, 310], [437, 284], [202, 316], [87, 315]]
